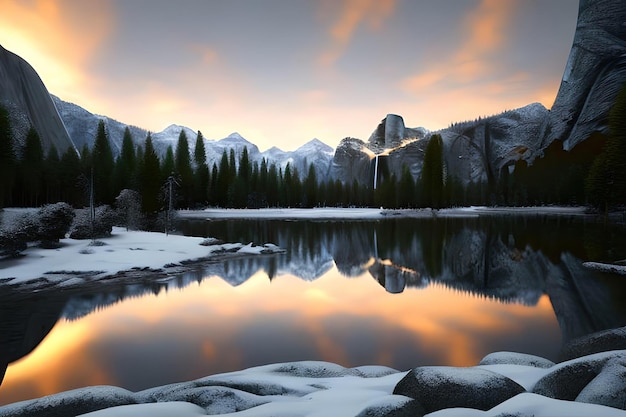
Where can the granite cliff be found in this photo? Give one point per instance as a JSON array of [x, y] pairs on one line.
[[28, 102], [479, 150], [595, 72]]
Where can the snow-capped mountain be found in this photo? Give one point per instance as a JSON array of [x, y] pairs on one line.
[[313, 152], [82, 126]]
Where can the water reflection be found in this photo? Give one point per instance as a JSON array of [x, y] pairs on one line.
[[454, 290]]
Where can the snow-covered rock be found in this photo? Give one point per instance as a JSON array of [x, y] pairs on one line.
[[439, 387], [70, 403], [515, 358], [602, 341], [583, 380], [313, 388]]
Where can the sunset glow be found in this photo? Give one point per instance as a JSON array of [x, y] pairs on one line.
[[227, 328], [282, 72]]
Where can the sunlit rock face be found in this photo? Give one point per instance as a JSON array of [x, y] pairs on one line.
[[595, 72], [28, 102], [391, 132], [479, 150]]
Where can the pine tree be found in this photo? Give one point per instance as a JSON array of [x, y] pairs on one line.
[[7, 158], [272, 186], [201, 171], [212, 192], [168, 165], [222, 181], [242, 180], [102, 164], [70, 175], [606, 182], [406, 189], [31, 170], [183, 169], [126, 165], [150, 179], [432, 181], [310, 188], [52, 176]]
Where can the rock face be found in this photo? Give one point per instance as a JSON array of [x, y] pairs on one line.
[[352, 161], [595, 72], [479, 151], [391, 132], [26, 98]]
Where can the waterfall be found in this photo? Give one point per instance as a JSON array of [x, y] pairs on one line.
[[376, 171]]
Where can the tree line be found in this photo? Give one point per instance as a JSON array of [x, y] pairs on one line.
[[593, 173]]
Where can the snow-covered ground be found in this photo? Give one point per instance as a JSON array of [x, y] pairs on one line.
[[79, 260]]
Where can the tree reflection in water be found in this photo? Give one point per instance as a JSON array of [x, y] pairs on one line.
[[518, 261]]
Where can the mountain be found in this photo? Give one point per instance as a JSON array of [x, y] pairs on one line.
[[314, 152], [28, 102], [483, 149], [82, 126]]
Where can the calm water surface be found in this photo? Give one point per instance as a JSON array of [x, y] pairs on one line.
[[401, 293]]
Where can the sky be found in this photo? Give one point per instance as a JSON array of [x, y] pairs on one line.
[[282, 72]]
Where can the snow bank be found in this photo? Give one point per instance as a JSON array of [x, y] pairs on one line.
[[78, 261], [602, 267], [314, 388]]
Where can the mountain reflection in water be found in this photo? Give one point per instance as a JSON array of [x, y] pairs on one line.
[[456, 289]]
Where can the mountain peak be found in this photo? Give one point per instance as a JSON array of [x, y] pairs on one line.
[[235, 135], [315, 145]]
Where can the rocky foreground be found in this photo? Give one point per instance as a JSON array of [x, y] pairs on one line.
[[590, 381]]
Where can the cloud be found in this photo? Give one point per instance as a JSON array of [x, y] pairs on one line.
[[475, 58], [58, 38], [352, 15], [206, 54]]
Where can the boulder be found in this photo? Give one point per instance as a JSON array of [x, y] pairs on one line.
[[603, 341], [390, 407], [70, 403], [514, 358], [584, 380], [608, 387], [440, 387], [213, 399]]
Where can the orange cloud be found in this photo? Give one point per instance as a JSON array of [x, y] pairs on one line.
[[353, 14], [58, 38], [484, 37], [207, 54], [485, 28]]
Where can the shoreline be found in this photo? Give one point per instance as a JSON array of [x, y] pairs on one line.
[[502, 383], [359, 213]]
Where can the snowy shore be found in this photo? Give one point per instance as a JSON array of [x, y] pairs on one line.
[[503, 384], [122, 255]]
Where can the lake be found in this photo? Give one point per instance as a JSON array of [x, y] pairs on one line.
[[397, 292]]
